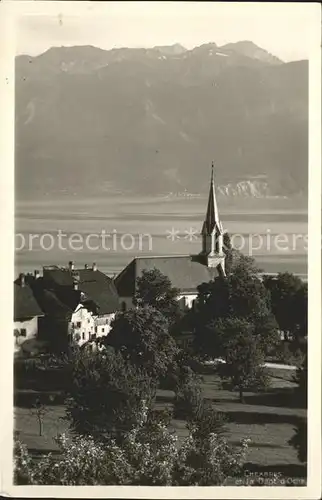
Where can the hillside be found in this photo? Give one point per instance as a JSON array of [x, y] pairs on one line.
[[149, 120]]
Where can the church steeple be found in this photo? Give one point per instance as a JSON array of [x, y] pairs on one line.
[[212, 230], [212, 220]]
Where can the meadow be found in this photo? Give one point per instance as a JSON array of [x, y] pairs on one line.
[[267, 418]]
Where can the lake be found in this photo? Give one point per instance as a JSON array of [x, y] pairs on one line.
[[112, 230]]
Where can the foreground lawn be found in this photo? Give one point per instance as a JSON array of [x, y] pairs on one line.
[[267, 419]]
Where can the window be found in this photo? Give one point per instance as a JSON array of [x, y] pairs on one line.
[[102, 330], [16, 334], [78, 324], [95, 329], [83, 335], [93, 336], [23, 332]]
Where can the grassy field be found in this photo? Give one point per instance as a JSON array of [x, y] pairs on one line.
[[266, 418]]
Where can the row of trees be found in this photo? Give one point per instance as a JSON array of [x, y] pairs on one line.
[[240, 319]]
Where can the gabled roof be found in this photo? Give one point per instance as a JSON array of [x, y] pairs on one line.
[[51, 304], [25, 303], [185, 272], [64, 276], [103, 295], [54, 307], [100, 292]]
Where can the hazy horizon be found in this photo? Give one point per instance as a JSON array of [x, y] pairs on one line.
[[149, 24]]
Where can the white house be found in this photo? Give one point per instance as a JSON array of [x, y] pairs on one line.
[[79, 304], [26, 313]]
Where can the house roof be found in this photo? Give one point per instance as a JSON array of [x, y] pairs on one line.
[[50, 303], [54, 307], [185, 272], [100, 291], [65, 277], [25, 303], [103, 295]]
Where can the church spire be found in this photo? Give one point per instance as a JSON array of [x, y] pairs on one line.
[[212, 221], [212, 230]]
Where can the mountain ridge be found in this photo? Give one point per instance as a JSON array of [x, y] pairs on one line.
[[150, 119]]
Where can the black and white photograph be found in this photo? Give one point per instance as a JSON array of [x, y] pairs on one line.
[[161, 269]]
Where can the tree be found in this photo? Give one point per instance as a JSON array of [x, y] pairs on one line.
[[240, 295], [289, 303], [206, 421], [105, 394], [149, 454], [188, 399], [243, 355], [245, 264], [40, 411], [299, 438], [141, 335], [301, 380], [180, 371], [301, 311], [155, 289], [229, 253]]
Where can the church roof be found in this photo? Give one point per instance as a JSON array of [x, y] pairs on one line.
[[212, 220], [185, 272]]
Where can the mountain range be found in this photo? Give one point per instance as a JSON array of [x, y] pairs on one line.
[[151, 120]]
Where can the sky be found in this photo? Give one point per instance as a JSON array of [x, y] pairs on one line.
[[284, 29]]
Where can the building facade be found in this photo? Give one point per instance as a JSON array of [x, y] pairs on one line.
[[79, 304], [27, 313]]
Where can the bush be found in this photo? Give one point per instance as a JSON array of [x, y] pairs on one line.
[[289, 353], [299, 440], [188, 401], [180, 372], [148, 455], [208, 462], [207, 421], [23, 465]]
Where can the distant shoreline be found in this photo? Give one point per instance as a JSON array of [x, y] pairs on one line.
[[298, 202]]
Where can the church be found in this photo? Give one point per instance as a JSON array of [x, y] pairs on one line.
[[186, 272]]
